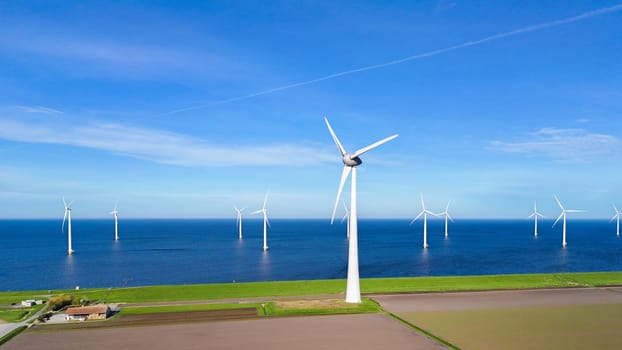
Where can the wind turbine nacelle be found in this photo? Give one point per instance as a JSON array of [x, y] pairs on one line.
[[351, 161]]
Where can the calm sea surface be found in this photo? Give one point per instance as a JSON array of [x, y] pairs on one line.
[[33, 253]]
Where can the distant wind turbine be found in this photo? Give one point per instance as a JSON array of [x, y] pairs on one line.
[[535, 215], [447, 217], [265, 222], [350, 162], [617, 217], [67, 217], [238, 221], [116, 221], [563, 214], [346, 216], [425, 213]]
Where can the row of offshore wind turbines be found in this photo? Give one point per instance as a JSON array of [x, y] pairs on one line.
[[350, 163]]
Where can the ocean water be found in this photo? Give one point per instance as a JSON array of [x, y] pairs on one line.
[[33, 253]]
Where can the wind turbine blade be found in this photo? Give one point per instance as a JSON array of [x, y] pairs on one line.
[[69, 204], [265, 200], [267, 221], [373, 145], [534, 207], [64, 203], [416, 217], [614, 217], [62, 228], [575, 211], [559, 217], [344, 217], [256, 212], [449, 217], [559, 203], [344, 176], [615, 208], [422, 203], [532, 215], [115, 204], [447, 207], [332, 133]]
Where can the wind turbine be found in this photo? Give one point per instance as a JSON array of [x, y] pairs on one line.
[[447, 217], [535, 215], [617, 217], [238, 221], [265, 222], [350, 162], [116, 221], [67, 217], [425, 213], [563, 214], [346, 216]]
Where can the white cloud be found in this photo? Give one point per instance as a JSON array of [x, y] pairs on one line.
[[161, 146], [38, 109], [564, 145]]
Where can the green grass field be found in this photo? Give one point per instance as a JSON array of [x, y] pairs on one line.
[[552, 327], [318, 287]]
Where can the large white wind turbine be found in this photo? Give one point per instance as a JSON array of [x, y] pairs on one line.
[[67, 217], [238, 221], [617, 217], [563, 214], [346, 216], [425, 213], [115, 213], [350, 162], [535, 215], [447, 217], [265, 221]]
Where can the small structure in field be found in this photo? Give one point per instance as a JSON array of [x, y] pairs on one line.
[[31, 302], [83, 313]]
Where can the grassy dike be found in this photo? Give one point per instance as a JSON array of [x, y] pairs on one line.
[[323, 287]]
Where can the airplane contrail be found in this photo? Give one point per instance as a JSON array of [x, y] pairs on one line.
[[494, 37]]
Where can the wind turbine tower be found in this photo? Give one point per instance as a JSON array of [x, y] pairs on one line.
[[617, 217], [563, 214], [535, 215], [425, 213], [115, 213], [265, 222], [238, 221], [67, 217], [350, 162], [447, 217]]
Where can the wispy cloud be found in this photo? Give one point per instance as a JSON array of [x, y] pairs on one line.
[[37, 109], [161, 146], [495, 37], [564, 145]]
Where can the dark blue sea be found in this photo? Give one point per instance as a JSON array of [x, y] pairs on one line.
[[33, 253]]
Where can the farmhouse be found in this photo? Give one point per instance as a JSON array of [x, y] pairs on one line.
[[83, 313]]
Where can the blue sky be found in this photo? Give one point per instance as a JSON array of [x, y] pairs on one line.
[[184, 109]]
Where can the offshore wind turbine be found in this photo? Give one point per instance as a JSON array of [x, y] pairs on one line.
[[617, 217], [563, 214], [447, 217], [535, 215], [116, 221], [265, 222], [346, 216], [238, 221], [67, 217], [350, 162], [425, 213]]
